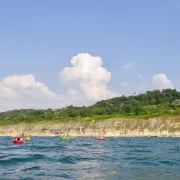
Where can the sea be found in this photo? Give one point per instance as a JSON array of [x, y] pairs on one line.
[[86, 158]]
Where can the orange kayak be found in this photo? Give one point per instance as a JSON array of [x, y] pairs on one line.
[[100, 138]]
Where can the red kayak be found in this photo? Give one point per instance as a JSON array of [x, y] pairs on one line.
[[19, 141], [100, 138]]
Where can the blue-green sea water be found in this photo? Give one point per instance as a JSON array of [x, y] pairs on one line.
[[85, 158]]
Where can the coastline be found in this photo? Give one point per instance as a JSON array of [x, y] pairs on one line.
[[155, 127]]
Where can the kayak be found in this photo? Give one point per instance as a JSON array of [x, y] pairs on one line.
[[28, 138], [100, 138], [19, 141], [65, 138]]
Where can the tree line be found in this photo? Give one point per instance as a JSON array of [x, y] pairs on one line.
[[149, 103]]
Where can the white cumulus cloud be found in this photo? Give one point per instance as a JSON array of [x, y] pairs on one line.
[[160, 81], [27, 85], [88, 76], [25, 92]]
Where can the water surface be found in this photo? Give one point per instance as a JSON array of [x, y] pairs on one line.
[[85, 158]]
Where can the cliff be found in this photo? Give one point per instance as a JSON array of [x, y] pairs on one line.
[[111, 127]]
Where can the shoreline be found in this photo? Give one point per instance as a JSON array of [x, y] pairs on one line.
[[155, 127], [123, 136], [104, 136]]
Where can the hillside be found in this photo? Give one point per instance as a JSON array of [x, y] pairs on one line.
[[165, 103]]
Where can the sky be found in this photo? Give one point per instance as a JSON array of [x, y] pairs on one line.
[[57, 53]]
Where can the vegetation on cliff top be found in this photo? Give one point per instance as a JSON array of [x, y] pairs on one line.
[[151, 104]]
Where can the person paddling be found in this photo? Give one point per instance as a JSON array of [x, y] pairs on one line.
[[18, 138], [22, 136]]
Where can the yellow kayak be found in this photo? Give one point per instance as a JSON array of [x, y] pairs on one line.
[[28, 138]]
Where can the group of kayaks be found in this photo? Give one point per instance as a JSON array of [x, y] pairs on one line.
[[22, 141]]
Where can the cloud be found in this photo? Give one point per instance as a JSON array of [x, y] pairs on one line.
[[124, 84], [25, 92], [86, 78], [142, 77], [26, 85], [128, 65], [160, 81]]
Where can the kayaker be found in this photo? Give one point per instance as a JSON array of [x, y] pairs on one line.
[[22, 136]]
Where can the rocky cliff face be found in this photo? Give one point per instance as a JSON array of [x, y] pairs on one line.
[[111, 127]]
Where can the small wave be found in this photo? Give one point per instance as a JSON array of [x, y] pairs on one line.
[[142, 151], [16, 160], [47, 148], [67, 160], [12, 160], [32, 168], [73, 159]]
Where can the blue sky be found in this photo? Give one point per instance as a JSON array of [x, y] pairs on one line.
[[40, 38]]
